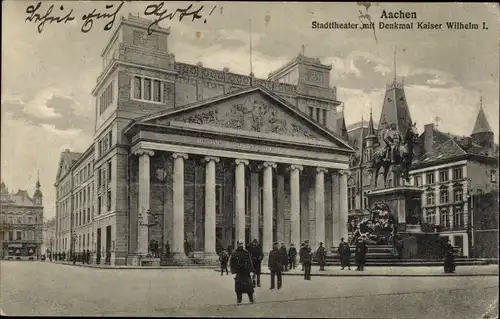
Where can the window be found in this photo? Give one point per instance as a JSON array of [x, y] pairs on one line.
[[88, 215], [218, 199], [458, 194], [443, 176], [443, 198], [318, 112], [108, 202], [106, 98], [147, 89], [99, 205], [19, 220], [99, 181], [110, 138], [19, 235], [429, 178], [109, 171], [493, 176], [417, 180], [324, 117], [457, 173], [351, 198], [137, 88], [430, 199], [156, 91], [311, 111], [30, 220], [458, 218], [444, 218], [430, 217], [11, 235]]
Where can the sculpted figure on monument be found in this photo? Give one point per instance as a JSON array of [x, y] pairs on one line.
[[392, 141]]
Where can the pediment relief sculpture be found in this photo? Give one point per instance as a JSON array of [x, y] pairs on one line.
[[251, 115]]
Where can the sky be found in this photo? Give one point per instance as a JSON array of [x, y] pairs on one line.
[[48, 77]]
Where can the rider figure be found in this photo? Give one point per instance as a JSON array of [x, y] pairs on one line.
[[392, 141]]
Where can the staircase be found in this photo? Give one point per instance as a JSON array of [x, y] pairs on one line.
[[386, 256]]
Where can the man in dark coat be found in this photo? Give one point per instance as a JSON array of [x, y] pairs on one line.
[[284, 257], [449, 258], [223, 259], [301, 254], [241, 268], [361, 251], [257, 255], [307, 261], [344, 254], [321, 255], [275, 264], [292, 256]]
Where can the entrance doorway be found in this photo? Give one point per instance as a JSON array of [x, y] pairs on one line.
[[98, 247], [108, 244], [218, 240]]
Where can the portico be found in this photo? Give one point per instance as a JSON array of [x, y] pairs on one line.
[[237, 167]]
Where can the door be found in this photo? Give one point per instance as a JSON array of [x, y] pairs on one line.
[[108, 244], [459, 243], [98, 246]]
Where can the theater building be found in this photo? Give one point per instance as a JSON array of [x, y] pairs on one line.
[[185, 154]]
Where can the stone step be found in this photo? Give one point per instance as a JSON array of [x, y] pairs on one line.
[[412, 264]]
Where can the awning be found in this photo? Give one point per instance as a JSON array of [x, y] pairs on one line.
[[15, 246]]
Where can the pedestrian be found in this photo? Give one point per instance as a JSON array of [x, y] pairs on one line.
[[321, 256], [307, 261], [449, 258], [292, 256], [241, 268], [301, 254], [284, 257], [223, 259], [344, 254], [88, 257], [275, 264], [361, 251], [256, 255]]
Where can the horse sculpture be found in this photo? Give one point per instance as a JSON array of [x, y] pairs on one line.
[[403, 156]]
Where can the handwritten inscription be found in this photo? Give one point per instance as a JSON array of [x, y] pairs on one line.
[[38, 15], [89, 18], [35, 16], [162, 14]]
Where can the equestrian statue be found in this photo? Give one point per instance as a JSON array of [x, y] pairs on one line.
[[397, 152]]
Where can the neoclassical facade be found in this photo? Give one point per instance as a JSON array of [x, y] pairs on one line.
[[248, 165]]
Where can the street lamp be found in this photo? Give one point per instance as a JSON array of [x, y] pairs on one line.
[[147, 223]]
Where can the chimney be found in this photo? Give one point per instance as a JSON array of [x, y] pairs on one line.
[[428, 137]]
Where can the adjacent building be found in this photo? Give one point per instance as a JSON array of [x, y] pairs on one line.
[[187, 154], [49, 237], [21, 218]]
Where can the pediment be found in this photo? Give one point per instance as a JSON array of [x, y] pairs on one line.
[[253, 112]]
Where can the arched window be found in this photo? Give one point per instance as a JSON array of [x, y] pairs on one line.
[[351, 194]]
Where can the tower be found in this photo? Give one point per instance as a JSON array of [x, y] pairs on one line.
[[38, 196], [395, 108], [371, 138], [482, 133]]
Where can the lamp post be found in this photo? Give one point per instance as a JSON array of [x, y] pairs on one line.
[[50, 255], [147, 223]]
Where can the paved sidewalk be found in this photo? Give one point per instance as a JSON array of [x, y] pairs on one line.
[[335, 271], [69, 263]]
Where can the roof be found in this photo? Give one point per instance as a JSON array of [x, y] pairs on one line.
[[481, 125], [258, 88], [453, 149], [395, 108], [68, 158]]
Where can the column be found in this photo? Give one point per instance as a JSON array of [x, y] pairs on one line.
[[240, 200], [320, 205], [295, 204], [280, 209], [268, 206], [254, 205], [336, 209], [177, 247], [144, 198], [210, 201], [343, 203]]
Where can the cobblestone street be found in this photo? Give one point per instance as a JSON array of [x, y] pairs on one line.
[[37, 288]]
